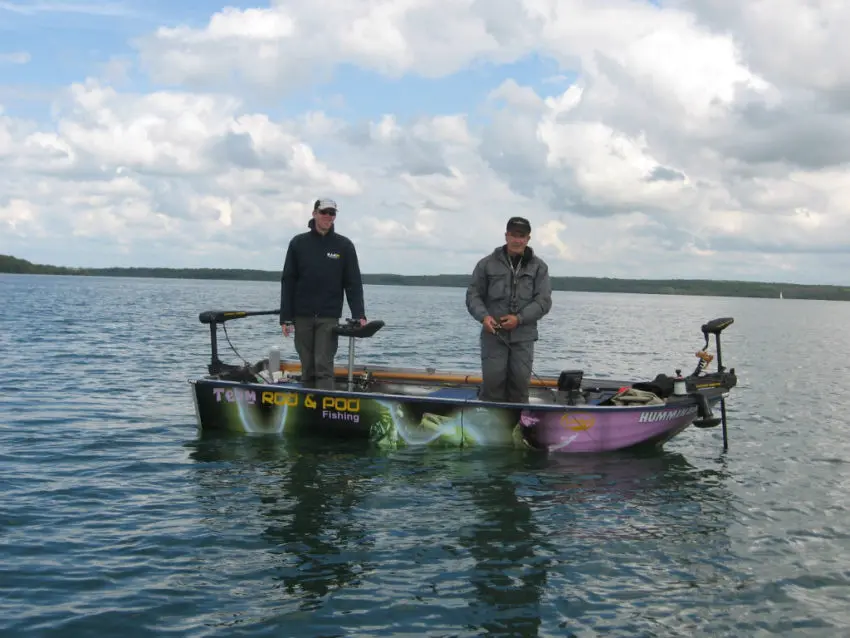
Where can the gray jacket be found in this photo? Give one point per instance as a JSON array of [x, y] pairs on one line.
[[496, 290]]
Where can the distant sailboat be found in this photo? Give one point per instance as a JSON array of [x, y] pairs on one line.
[[780, 295]]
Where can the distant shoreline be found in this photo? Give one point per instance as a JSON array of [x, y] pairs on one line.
[[699, 287]]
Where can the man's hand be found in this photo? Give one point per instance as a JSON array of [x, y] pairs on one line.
[[363, 321], [490, 324], [509, 322], [287, 328]]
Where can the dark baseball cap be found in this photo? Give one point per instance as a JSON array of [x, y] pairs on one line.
[[519, 223]]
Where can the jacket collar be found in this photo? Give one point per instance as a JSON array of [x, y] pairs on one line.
[[526, 256], [312, 226]]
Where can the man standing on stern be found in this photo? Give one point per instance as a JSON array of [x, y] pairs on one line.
[[509, 293], [320, 264]]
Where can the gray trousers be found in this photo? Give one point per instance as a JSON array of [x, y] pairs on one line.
[[505, 368], [316, 346]]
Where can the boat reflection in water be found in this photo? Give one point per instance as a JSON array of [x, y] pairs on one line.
[[344, 539]]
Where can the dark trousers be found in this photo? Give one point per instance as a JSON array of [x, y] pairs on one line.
[[316, 345], [505, 368]]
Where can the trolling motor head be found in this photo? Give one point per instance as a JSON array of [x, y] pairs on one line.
[[716, 326], [713, 327]]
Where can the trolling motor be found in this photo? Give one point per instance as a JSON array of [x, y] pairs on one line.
[[215, 317], [353, 330], [721, 378], [715, 327]]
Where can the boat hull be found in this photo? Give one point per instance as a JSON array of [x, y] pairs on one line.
[[402, 421]]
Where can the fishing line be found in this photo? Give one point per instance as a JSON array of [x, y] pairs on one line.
[[510, 349], [587, 432], [232, 347]]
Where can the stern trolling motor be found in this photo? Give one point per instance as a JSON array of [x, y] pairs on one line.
[[353, 330], [721, 378]]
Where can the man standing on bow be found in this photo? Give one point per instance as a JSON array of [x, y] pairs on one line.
[[320, 264], [509, 293]]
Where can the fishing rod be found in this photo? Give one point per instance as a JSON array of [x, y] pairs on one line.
[[569, 381], [498, 330]]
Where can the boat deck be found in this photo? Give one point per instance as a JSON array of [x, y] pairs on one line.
[[458, 386], [428, 383]]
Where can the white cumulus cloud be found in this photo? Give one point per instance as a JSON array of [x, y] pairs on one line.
[[692, 139]]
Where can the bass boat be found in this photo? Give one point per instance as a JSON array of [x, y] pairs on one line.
[[398, 406]]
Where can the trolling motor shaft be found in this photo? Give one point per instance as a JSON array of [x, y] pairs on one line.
[[715, 327]]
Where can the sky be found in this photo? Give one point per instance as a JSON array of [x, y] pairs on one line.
[[673, 139]]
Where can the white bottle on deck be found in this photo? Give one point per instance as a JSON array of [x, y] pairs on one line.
[[679, 386], [274, 363]]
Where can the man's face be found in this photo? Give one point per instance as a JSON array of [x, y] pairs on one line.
[[324, 219], [516, 240]]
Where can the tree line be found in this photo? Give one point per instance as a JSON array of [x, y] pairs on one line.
[[703, 287]]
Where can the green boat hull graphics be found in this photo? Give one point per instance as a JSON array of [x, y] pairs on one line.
[[393, 421]]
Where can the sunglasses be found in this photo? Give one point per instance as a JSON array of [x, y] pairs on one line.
[[329, 213]]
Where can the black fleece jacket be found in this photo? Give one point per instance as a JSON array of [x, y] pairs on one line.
[[317, 269]]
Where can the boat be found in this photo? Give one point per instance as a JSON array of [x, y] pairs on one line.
[[409, 406]]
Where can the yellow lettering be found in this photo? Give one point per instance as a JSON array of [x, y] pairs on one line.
[[280, 398], [341, 404], [309, 401]]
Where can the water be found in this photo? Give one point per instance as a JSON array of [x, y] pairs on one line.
[[117, 517]]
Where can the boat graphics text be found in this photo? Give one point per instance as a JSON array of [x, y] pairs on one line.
[[335, 408], [667, 415]]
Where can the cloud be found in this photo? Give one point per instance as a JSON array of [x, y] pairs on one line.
[[815, 53], [672, 141], [277, 47]]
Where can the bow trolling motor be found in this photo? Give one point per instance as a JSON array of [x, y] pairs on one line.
[[215, 317], [351, 329], [720, 379]]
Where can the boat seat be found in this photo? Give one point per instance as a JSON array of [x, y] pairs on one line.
[[352, 329]]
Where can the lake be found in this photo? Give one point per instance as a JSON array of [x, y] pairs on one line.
[[117, 518]]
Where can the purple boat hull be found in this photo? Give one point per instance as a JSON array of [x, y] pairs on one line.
[[605, 429]]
